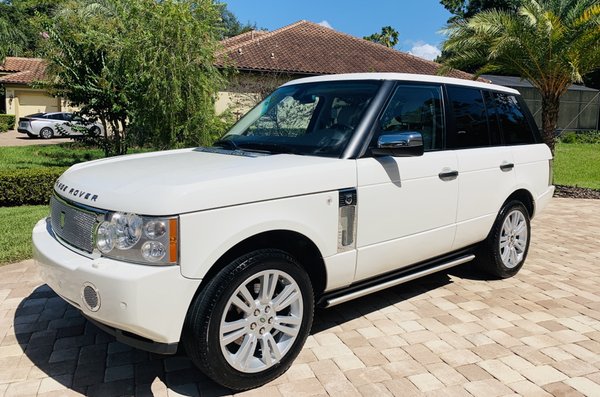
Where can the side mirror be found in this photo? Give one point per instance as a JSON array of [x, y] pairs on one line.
[[402, 144]]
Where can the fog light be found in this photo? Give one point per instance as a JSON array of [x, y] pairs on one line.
[[90, 297]]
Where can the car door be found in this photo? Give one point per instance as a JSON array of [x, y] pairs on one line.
[[407, 205], [486, 167]]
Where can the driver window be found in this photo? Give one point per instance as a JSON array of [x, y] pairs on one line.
[[415, 108]]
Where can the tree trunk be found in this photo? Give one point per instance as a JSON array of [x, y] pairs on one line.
[[550, 105]]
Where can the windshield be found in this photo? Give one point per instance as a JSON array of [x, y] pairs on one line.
[[309, 119]]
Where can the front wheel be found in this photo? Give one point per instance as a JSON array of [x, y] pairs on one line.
[[251, 320], [504, 251]]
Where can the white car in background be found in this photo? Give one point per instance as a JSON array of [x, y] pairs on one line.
[[49, 125]]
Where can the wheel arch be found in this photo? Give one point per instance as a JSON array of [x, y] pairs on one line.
[[524, 196], [294, 243]]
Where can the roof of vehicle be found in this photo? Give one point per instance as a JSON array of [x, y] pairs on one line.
[[404, 77]]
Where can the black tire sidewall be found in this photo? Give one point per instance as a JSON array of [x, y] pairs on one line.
[[500, 269], [214, 300]]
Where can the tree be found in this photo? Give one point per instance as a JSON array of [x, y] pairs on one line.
[[230, 25], [468, 8], [388, 37], [551, 43], [144, 68]]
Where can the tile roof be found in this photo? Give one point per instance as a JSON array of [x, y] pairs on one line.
[[308, 48], [22, 70]]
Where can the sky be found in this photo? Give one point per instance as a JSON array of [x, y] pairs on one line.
[[417, 21]]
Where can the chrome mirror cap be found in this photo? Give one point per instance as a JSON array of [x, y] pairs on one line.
[[401, 144]]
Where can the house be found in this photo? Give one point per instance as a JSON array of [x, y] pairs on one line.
[[579, 106], [267, 59]]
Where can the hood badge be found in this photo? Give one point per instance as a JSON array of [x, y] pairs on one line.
[[77, 193]]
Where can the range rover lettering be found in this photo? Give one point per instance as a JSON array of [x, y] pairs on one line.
[[331, 188]]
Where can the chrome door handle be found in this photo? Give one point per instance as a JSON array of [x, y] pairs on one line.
[[448, 175], [507, 166]]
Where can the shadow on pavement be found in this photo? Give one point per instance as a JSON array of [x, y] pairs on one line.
[[78, 355]]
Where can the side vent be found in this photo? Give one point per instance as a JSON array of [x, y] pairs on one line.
[[347, 220]]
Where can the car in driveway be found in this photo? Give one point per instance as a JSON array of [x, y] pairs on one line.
[[49, 125], [332, 188]]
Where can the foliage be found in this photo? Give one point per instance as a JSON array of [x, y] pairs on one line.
[[577, 165], [467, 8], [145, 69], [592, 137], [551, 43], [27, 186], [7, 122], [20, 21], [387, 37], [230, 25], [19, 221]]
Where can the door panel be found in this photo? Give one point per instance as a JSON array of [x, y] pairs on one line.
[[406, 213]]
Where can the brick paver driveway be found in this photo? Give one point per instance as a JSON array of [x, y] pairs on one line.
[[14, 138], [454, 333]]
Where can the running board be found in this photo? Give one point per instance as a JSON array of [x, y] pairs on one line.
[[392, 283]]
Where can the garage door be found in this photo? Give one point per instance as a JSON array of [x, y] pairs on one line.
[[35, 102]]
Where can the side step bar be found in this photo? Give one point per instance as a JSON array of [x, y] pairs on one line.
[[392, 283]]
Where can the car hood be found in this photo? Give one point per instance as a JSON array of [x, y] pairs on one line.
[[188, 180]]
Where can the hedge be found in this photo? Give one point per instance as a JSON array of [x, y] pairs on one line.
[[31, 186], [7, 122], [580, 137]]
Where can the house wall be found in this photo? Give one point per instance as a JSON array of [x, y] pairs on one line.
[[21, 100]]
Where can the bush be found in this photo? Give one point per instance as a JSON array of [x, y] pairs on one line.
[[7, 122], [27, 186], [580, 137]]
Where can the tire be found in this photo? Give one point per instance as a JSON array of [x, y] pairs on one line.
[[504, 251], [233, 356], [46, 133], [95, 131]]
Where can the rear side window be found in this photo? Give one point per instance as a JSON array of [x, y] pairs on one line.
[[470, 119], [415, 108], [513, 123]]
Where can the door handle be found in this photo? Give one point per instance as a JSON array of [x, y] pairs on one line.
[[507, 166], [448, 175]]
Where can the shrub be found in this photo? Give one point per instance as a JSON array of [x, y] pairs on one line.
[[7, 122], [27, 186], [580, 137]]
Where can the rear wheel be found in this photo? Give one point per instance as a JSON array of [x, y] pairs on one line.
[[251, 320], [46, 133], [504, 251]]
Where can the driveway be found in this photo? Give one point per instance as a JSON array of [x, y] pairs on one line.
[[14, 138], [450, 334]]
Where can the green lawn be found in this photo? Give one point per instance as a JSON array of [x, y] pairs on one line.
[[16, 224], [577, 164], [61, 155]]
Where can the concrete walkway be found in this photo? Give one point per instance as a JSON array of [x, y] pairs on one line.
[[14, 138], [450, 334]]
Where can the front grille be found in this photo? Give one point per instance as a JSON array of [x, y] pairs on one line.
[[73, 225]]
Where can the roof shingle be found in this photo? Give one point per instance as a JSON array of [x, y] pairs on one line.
[[22, 70], [308, 48]]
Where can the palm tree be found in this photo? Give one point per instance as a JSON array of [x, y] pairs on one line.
[[551, 43], [388, 37]]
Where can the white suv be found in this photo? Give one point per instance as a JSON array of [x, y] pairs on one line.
[[331, 188]]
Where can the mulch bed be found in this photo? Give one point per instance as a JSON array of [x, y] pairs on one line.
[[576, 192]]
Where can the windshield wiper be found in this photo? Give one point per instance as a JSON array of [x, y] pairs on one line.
[[226, 144], [275, 148]]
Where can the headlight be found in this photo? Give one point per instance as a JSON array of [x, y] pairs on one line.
[[139, 239]]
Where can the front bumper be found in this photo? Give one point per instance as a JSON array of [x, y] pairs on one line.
[[135, 301]]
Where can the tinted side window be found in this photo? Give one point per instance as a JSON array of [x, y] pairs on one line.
[[513, 122], [470, 121], [417, 109]]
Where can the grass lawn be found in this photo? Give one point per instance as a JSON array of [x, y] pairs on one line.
[[16, 224], [61, 155], [577, 164]]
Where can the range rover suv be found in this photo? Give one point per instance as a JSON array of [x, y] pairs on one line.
[[331, 188]]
